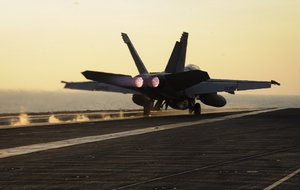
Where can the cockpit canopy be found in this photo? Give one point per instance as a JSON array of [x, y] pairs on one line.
[[191, 67]]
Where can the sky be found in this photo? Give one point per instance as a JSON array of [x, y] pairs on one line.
[[45, 41]]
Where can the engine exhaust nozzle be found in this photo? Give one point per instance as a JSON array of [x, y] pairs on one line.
[[138, 82]]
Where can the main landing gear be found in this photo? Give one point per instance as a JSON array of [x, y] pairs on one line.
[[147, 109], [195, 109], [149, 106]]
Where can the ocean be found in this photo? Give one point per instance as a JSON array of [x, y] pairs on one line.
[[66, 100]]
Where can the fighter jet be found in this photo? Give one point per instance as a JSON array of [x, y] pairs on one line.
[[178, 86]]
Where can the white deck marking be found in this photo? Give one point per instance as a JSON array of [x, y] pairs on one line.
[[282, 180], [9, 152]]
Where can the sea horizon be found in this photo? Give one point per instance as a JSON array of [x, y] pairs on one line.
[[35, 101]]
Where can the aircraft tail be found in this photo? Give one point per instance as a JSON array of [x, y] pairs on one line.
[[177, 59], [138, 62]]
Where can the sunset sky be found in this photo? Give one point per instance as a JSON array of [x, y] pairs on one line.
[[45, 41]]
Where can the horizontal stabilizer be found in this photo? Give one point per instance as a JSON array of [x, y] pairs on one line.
[[182, 80], [97, 86], [110, 78]]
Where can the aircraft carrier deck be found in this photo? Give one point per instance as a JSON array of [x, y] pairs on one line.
[[258, 149]]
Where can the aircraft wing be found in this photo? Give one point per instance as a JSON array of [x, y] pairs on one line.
[[98, 86], [230, 86]]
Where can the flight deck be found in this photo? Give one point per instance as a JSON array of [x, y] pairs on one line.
[[251, 149]]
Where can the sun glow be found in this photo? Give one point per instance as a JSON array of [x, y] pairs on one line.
[[44, 42]]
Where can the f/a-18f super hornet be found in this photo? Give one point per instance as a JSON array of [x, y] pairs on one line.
[[178, 86]]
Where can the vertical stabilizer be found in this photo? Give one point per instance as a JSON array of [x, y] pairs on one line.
[[177, 59], [172, 66], [138, 62]]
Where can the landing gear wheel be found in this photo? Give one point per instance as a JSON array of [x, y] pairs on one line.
[[191, 110], [191, 106], [147, 110], [197, 109]]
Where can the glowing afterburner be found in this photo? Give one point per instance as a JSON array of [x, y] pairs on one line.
[[154, 82], [138, 82]]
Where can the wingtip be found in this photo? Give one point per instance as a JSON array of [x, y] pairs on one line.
[[275, 82]]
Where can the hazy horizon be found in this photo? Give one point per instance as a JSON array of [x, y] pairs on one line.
[[44, 42], [51, 101]]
